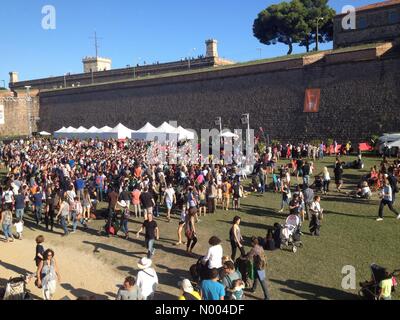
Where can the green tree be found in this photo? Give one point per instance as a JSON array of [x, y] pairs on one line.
[[317, 10], [283, 22]]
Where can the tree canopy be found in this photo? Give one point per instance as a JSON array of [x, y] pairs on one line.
[[295, 22]]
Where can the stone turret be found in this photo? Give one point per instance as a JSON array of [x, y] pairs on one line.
[[212, 48], [14, 77], [96, 64]]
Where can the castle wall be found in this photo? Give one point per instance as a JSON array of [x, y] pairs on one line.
[[16, 123], [376, 25], [358, 97]]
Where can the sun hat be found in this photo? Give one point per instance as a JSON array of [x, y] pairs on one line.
[[186, 285], [144, 263], [122, 203]]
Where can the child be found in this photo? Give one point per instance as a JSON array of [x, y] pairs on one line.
[[39, 250], [19, 226], [237, 289], [77, 211]]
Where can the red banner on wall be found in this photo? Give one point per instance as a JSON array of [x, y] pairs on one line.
[[311, 102]]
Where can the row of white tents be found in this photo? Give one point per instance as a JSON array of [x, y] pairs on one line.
[[148, 133]]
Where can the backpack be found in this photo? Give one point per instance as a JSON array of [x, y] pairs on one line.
[[259, 262]]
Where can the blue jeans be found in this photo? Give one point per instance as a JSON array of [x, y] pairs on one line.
[[63, 221], [75, 221], [99, 191], [38, 213], [284, 201], [150, 248], [262, 188], [7, 231], [156, 210], [19, 213], [262, 282], [306, 179], [325, 185], [124, 226]]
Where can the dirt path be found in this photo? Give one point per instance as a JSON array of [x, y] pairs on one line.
[[81, 274]]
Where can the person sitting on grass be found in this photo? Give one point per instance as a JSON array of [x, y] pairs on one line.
[[363, 191]]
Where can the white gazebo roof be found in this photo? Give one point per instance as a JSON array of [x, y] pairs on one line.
[[148, 127]]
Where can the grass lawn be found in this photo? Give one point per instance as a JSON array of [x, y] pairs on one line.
[[349, 236]]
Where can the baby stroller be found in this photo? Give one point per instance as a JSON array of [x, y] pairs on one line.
[[16, 289], [290, 233], [370, 289], [198, 271]]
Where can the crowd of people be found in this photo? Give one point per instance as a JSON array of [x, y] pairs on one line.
[[63, 182]]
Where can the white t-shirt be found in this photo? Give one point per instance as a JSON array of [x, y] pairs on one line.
[[288, 177], [315, 206], [19, 226], [169, 193], [365, 191], [214, 257], [8, 195], [147, 281]]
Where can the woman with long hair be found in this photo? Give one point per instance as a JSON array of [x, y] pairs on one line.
[[236, 238], [190, 230], [86, 203], [64, 212], [202, 200], [48, 274], [286, 195]]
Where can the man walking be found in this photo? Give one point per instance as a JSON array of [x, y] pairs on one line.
[[170, 200], [148, 203], [308, 199], [151, 233], [393, 184], [386, 195]]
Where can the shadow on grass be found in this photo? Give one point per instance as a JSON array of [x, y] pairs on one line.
[[351, 215], [250, 224], [311, 291], [262, 211]]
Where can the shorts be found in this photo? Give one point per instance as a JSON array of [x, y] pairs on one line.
[[338, 181], [203, 203], [168, 204], [181, 222]]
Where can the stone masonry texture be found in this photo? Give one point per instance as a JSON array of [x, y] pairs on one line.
[[357, 99]]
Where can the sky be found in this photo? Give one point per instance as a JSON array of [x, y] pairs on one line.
[[130, 32]]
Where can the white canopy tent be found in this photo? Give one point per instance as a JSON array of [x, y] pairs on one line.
[[389, 137], [147, 132], [185, 134], [44, 133], [119, 132], [394, 144], [228, 134], [122, 132]]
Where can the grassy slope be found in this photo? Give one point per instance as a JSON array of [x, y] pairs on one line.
[[349, 236]]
